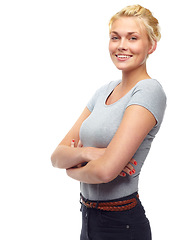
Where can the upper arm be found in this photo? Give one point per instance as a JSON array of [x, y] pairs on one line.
[[74, 131], [136, 124]]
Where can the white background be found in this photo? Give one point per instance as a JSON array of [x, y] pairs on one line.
[[53, 56]]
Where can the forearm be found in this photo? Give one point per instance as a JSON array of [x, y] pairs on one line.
[[67, 157], [94, 172], [90, 173], [98, 171]]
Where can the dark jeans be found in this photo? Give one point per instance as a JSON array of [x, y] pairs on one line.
[[125, 225]]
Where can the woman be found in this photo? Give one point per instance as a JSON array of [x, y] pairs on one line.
[[108, 144]]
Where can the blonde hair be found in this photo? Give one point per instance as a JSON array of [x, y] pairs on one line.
[[150, 22]]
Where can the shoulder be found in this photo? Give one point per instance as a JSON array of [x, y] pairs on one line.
[[150, 94], [151, 90], [150, 85]]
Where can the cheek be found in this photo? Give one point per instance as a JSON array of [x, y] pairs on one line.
[[111, 48], [136, 48], [139, 49]]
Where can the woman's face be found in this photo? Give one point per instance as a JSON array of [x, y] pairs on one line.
[[129, 44]]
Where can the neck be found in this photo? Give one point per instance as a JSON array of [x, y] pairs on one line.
[[131, 78]]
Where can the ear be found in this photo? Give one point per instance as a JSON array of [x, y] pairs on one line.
[[153, 47]]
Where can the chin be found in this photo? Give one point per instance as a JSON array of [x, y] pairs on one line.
[[125, 69]]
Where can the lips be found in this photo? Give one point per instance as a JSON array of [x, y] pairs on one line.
[[123, 57]]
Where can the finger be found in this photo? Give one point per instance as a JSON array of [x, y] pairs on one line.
[[129, 166], [129, 169], [79, 144], [133, 161], [73, 143], [122, 174]]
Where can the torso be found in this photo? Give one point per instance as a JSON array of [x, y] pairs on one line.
[[107, 108]]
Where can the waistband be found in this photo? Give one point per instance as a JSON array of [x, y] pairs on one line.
[[122, 204]]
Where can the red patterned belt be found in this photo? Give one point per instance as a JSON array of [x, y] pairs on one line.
[[111, 206]]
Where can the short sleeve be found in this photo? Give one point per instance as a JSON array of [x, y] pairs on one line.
[[150, 95]]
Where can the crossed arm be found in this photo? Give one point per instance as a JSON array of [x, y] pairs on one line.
[[99, 152], [104, 165]]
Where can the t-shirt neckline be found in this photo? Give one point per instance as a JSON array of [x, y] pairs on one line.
[[112, 89]]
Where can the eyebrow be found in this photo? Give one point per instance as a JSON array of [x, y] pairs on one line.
[[129, 33]]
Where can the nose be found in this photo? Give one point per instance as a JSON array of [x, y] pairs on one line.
[[122, 45]]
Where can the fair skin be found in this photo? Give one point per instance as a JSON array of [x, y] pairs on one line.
[[129, 48]]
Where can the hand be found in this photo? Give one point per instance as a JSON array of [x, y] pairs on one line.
[[90, 153], [129, 169], [78, 145]]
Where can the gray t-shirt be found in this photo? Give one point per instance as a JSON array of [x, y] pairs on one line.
[[99, 128]]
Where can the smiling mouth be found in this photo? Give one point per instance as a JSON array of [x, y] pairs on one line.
[[123, 57]]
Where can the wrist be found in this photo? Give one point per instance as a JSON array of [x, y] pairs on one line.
[[85, 154], [92, 153]]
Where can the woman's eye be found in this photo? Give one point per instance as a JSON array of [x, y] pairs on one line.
[[114, 38], [133, 38]]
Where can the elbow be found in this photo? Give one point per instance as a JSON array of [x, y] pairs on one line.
[[96, 173], [55, 161], [57, 158], [106, 176]]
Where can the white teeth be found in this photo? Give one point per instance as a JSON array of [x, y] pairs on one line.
[[123, 56]]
